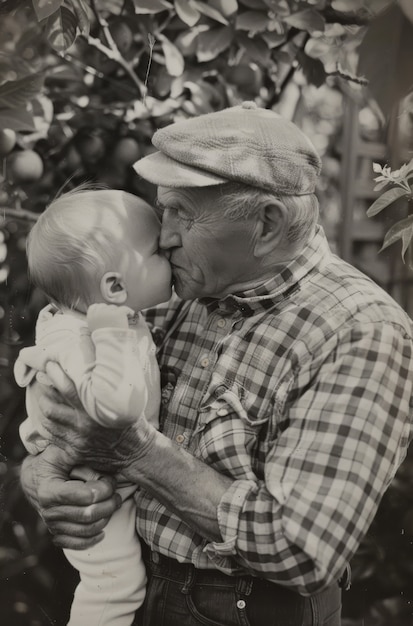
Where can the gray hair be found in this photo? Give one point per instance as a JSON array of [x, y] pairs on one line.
[[243, 201]]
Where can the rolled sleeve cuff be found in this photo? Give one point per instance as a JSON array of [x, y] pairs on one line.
[[228, 513]]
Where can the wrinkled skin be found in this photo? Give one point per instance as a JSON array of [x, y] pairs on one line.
[[76, 511]]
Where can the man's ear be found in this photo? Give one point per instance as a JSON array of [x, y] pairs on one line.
[[272, 227], [113, 288]]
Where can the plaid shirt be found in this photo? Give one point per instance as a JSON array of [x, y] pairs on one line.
[[301, 391]]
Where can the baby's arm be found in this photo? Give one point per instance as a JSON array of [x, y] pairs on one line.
[[112, 387]]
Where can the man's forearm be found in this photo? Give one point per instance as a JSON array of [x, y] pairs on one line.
[[184, 484]]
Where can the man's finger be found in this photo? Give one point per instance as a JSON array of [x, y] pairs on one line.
[[76, 543], [82, 472], [77, 530], [81, 515], [75, 492]]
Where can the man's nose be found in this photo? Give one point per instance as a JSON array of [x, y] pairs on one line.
[[169, 236]]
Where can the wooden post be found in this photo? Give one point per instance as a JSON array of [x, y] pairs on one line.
[[348, 177]]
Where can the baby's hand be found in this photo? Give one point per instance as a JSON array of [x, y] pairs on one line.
[[107, 316]]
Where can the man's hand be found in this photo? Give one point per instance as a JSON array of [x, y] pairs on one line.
[[75, 511], [86, 442]]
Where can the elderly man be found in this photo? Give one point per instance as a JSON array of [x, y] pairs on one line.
[[287, 392]]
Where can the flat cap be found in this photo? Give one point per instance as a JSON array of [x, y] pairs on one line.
[[244, 143]]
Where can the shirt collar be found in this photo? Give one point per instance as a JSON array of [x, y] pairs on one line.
[[280, 286]]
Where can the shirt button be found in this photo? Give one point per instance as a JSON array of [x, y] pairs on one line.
[[241, 604], [179, 439], [205, 362], [222, 412], [155, 557], [221, 323]]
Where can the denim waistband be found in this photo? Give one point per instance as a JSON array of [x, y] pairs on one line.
[[187, 575]]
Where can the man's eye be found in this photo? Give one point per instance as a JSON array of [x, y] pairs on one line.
[[185, 219]]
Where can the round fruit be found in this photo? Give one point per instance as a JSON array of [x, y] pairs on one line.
[[126, 151], [24, 166], [122, 35], [91, 148], [7, 141], [247, 77], [72, 161]]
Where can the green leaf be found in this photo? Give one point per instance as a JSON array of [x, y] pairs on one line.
[[226, 7], [174, 61], [409, 169], [401, 230], [81, 12], [343, 6], [313, 69], [186, 40], [44, 8], [114, 7], [61, 29], [212, 42], [7, 6], [255, 4], [187, 12], [252, 21], [18, 92], [381, 185], [210, 12], [309, 20], [13, 67], [274, 39], [143, 7], [255, 48], [17, 119], [385, 56], [388, 197]]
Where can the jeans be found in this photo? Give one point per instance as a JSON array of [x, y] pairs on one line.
[[180, 595]]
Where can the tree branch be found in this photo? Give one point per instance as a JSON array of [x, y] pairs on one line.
[[111, 51], [115, 55], [349, 77], [16, 214]]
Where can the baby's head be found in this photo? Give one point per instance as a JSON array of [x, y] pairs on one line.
[[98, 245]]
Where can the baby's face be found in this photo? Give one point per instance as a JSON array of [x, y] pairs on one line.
[[145, 270]]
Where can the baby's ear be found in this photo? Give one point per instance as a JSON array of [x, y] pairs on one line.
[[113, 288]]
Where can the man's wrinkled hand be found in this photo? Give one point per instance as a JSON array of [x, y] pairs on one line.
[[86, 442], [75, 511]]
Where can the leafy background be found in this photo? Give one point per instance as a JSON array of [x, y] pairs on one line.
[[83, 86]]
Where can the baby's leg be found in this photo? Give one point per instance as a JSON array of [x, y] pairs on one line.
[[112, 573]]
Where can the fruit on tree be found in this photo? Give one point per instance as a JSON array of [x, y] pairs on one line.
[[71, 161], [126, 151], [24, 166], [90, 145], [122, 35], [7, 141], [247, 77]]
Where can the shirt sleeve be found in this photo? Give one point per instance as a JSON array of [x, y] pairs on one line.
[[347, 425], [111, 386]]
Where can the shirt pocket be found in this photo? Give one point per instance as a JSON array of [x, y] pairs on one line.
[[226, 435]]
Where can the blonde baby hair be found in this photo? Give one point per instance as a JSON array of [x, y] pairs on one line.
[[78, 238]]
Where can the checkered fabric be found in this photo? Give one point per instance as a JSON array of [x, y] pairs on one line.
[[301, 391]]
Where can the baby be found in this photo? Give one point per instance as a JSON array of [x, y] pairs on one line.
[[95, 255]]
